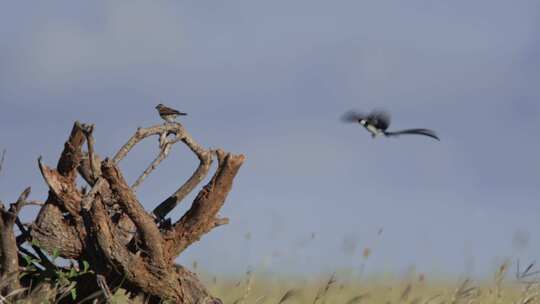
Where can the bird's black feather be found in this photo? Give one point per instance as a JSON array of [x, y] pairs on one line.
[[380, 119], [353, 116], [425, 132]]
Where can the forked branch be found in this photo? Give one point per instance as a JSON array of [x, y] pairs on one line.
[[163, 153], [204, 156], [205, 162], [142, 133], [109, 226], [8, 243], [202, 216]]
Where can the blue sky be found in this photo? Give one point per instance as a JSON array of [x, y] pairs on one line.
[[270, 80]]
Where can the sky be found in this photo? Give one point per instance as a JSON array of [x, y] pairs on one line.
[[270, 79]]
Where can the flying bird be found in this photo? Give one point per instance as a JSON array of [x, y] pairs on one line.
[[377, 123], [168, 114]]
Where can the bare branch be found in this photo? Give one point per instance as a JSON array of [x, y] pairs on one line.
[[8, 244], [142, 133], [35, 203], [95, 170], [205, 158], [86, 171], [52, 228], [16, 207], [102, 283], [166, 148], [101, 230], [87, 200], [200, 218], [72, 154], [64, 189], [221, 221], [131, 206], [124, 224], [172, 201], [153, 280], [165, 145]]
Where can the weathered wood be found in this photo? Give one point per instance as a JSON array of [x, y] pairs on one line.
[[181, 134], [52, 230], [108, 226], [9, 259], [130, 205], [93, 165], [205, 162], [201, 217], [72, 154], [165, 149], [64, 191]]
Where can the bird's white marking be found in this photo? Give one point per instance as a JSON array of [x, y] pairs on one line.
[[373, 130], [169, 118]]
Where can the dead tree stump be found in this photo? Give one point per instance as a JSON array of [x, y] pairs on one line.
[[107, 226]]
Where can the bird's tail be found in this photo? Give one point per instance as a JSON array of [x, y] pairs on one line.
[[425, 132]]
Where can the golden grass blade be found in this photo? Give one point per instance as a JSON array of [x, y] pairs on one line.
[[291, 293], [358, 299], [322, 292]]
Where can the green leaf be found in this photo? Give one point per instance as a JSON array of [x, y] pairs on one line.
[[86, 266], [27, 259], [60, 275], [73, 292], [72, 272], [55, 253]]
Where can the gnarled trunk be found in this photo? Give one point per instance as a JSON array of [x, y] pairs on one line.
[[107, 225]]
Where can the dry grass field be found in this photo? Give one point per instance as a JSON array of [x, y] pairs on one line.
[[504, 287], [507, 285]]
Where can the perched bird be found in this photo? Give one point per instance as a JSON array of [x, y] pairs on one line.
[[168, 114], [377, 122]]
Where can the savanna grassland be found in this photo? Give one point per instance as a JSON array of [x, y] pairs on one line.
[[506, 286]]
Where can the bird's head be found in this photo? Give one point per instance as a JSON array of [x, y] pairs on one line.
[[159, 106]]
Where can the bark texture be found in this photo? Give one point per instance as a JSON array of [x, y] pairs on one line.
[[105, 224]]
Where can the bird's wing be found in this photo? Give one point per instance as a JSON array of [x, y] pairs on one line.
[[425, 132], [353, 116], [380, 119], [169, 111]]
